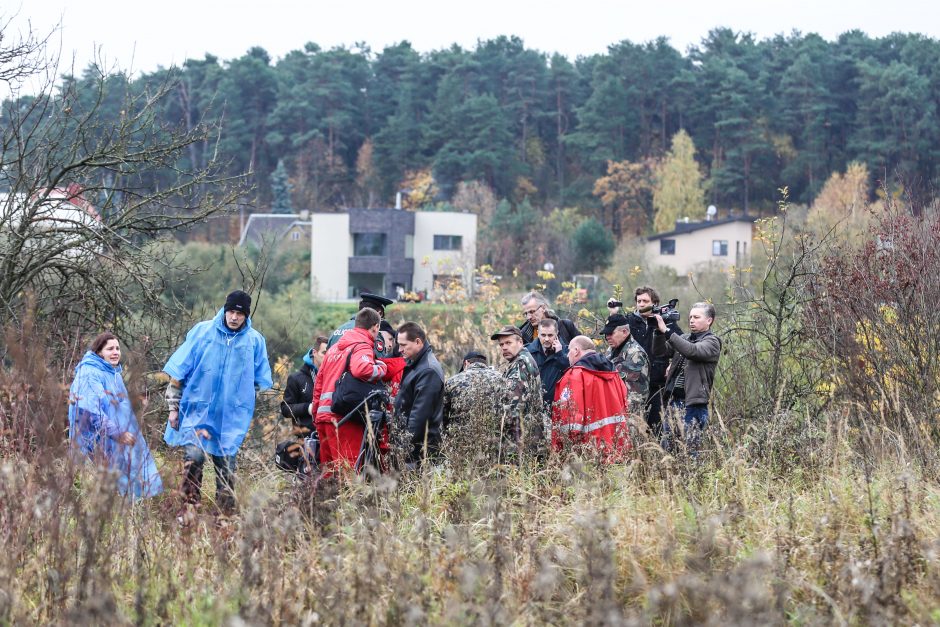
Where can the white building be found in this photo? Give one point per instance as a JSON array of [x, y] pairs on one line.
[[697, 245], [388, 251]]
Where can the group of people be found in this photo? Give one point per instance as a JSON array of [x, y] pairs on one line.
[[554, 390]]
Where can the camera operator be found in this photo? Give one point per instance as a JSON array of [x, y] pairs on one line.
[[643, 329], [691, 373], [551, 356]]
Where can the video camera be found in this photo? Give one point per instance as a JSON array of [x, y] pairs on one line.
[[669, 313]]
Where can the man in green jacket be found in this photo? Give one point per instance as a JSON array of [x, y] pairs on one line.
[[690, 376]]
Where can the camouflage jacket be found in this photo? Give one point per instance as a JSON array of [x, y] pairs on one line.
[[526, 418], [476, 403], [633, 364], [478, 388]]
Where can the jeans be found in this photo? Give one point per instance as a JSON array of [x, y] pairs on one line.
[[694, 421], [194, 458]]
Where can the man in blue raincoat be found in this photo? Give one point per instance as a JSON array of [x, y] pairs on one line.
[[213, 379]]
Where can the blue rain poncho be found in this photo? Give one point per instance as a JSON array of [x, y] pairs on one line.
[[99, 411], [220, 370]]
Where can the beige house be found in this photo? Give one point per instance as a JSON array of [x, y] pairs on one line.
[[698, 245], [389, 252]]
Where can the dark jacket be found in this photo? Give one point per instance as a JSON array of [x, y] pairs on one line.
[[596, 361], [700, 353], [647, 335], [566, 329], [420, 403], [551, 367], [297, 396]]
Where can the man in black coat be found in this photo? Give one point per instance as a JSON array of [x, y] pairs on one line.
[[420, 401], [298, 393], [551, 356], [643, 329]]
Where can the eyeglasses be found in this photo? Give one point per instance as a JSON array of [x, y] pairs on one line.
[[529, 312]]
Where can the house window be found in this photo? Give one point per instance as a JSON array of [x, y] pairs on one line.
[[448, 242], [719, 248], [667, 247], [295, 236], [369, 244]]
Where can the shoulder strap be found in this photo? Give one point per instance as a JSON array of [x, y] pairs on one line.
[[349, 354]]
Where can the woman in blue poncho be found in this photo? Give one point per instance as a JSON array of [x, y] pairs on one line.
[[102, 425]]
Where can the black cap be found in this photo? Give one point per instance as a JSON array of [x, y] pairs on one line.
[[474, 355], [386, 326], [238, 301], [375, 298], [505, 331], [614, 321]]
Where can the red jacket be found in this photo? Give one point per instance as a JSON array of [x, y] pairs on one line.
[[590, 408], [362, 365], [396, 368]]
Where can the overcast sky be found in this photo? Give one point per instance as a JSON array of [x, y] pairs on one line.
[[144, 35]]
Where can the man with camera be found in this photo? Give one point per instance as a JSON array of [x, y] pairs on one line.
[[643, 328], [691, 374], [551, 356]]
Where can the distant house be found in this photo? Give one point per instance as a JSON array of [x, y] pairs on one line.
[[280, 228], [694, 245], [390, 251], [61, 213]]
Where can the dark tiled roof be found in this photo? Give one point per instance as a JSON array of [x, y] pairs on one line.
[[690, 227]]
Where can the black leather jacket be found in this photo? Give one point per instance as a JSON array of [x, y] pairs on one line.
[[420, 403]]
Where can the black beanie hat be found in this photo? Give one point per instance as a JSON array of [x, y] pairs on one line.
[[238, 301]]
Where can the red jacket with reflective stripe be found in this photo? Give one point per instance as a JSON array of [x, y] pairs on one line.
[[590, 408], [362, 365]]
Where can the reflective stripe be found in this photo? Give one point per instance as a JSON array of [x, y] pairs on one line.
[[324, 409], [326, 396], [375, 373], [594, 426]]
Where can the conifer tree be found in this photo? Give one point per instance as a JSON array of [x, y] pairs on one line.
[[280, 190]]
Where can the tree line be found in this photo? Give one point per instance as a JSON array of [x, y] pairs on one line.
[[350, 126]]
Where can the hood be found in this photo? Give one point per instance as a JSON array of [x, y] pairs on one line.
[[596, 361], [308, 359], [354, 335], [94, 360], [221, 326]]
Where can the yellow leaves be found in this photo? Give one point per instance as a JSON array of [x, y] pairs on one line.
[[524, 188], [585, 313], [421, 186], [635, 271], [282, 366], [425, 261], [545, 275], [889, 314], [515, 272], [568, 285]]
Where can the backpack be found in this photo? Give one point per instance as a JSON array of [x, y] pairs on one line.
[[350, 392]]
